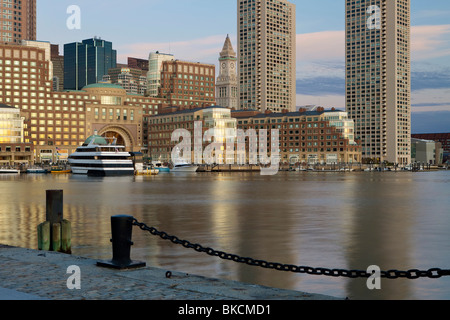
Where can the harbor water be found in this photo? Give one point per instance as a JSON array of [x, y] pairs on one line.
[[335, 220]]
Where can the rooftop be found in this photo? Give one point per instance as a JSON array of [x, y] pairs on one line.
[[96, 139], [286, 114], [187, 110], [5, 106], [104, 86]]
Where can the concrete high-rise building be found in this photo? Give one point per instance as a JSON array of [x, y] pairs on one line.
[[378, 77], [87, 62], [18, 21], [267, 55], [155, 61], [226, 84]]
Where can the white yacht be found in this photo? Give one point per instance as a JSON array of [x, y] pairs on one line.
[[97, 157], [184, 167]]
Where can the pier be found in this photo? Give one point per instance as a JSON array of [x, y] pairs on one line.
[[27, 274]]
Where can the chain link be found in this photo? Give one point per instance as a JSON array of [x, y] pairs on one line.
[[434, 273]]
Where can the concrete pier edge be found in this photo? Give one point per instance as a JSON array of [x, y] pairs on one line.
[[27, 274]]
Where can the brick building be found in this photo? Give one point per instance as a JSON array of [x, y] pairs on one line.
[[18, 21], [319, 136], [325, 137], [58, 122], [187, 84]]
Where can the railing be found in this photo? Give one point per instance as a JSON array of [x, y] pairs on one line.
[[121, 227]]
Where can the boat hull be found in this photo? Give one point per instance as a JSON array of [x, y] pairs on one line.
[[36, 171], [6, 171], [103, 172], [147, 172], [185, 169]]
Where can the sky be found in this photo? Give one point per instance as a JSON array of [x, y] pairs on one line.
[[195, 30]]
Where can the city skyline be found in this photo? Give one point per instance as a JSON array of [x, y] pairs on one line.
[[320, 44]]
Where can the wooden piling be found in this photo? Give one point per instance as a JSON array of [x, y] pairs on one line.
[[66, 236], [56, 237], [55, 233], [44, 236]]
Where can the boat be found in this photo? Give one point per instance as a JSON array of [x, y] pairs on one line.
[[59, 170], [97, 157], [184, 167], [9, 171], [142, 170], [37, 170], [160, 166]]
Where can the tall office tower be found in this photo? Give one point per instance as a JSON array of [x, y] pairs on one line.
[[226, 84], [378, 77], [17, 21], [266, 55], [87, 62], [155, 61]]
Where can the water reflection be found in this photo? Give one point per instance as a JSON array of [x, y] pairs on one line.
[[331, 220]]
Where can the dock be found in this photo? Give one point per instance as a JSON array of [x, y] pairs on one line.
[[27, 274]]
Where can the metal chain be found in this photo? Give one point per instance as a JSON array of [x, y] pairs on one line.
[[434, 273]]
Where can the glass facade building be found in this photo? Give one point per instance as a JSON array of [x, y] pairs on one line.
[[87, 62], [11, 125], [155, 61]]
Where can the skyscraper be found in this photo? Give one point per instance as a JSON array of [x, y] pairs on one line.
[[226, 84], [155, 61], [87, 62], [378, 77], [18, 20], [266, 55]]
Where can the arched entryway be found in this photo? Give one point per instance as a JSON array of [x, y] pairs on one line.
[[121, 135]]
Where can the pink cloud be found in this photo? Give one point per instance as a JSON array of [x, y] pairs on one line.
[[204, 50], [430, 41], [325, 45]]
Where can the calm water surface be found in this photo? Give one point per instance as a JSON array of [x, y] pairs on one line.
[[332, 220]]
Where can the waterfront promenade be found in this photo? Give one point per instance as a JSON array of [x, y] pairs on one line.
[[27, 274]]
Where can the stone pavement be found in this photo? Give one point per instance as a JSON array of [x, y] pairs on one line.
[[27, 274]]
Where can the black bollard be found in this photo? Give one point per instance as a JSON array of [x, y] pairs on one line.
[[121, 229]]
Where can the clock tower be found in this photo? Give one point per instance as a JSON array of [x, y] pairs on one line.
[[226, 85]]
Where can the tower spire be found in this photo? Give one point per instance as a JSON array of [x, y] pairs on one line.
[[227, 50]]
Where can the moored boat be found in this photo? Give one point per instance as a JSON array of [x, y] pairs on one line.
[[184, 167], [160, 166], [9, 171], [60, 170], [37, 170], [97, 157], [142, 170]]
